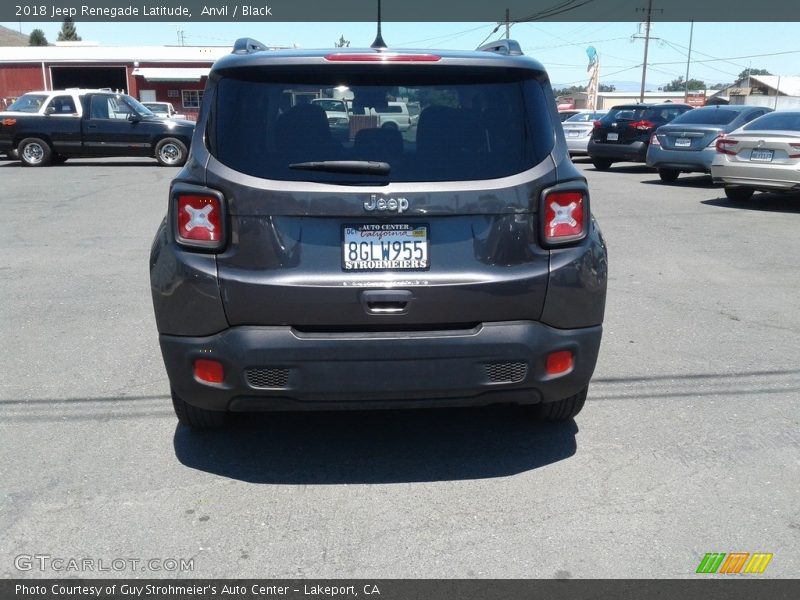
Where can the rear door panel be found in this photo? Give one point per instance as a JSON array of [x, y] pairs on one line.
[[284, 265]]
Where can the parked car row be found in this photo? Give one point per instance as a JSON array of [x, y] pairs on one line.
[[746, 148]]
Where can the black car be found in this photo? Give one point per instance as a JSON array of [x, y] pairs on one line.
[[455, 264], [624, 133]]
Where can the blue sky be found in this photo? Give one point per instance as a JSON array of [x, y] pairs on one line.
[[559, 46]]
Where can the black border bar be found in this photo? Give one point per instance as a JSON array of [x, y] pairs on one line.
[[734, 587], [396, 10]]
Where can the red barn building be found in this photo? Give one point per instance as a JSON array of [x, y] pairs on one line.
[[175, 74]]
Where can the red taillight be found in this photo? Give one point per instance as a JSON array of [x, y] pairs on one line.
[[565, 218], [654, 140], [210, 371], [642, 125], [795, 146], [381, 57], [200, 220], [597, 124], [559, 362], [724, 143]]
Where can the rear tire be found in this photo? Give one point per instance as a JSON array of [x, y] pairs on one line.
[[34, 152], [198, 418], [669, 175], [561, 410], [738, 194], [171, 152], [601, 164]]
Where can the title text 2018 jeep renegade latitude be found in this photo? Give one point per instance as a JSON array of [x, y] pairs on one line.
[[453, 264]]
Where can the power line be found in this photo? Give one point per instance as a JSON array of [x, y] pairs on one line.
[[606, 75], [566, 6], [734, 57], [442, 37]]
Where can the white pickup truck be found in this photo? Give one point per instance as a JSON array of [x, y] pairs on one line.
[[164, 110]]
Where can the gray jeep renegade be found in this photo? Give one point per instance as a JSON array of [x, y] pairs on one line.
[[453, 264]]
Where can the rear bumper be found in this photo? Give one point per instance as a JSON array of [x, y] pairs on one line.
[[577, 145], [633, 152], [761, 177], [490, 363], [681, 160]]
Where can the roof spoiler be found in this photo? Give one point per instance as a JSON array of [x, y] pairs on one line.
[[508, 47], [247, 46]]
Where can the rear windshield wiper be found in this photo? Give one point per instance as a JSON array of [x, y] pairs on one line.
[[369, 167]]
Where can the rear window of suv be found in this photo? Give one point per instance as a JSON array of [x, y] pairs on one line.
[[655, 114], [476, 123]]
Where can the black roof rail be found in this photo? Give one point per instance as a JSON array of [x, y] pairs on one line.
[[247, 45], [509, 47]]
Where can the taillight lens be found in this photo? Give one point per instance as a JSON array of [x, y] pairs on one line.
[[200, 220], [654, 140], [559, 363], [564, 217], [796, 148], [725, 145], [597, 124], [642, 125], [210, 371]]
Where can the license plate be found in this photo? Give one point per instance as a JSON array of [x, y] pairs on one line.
[[683, 142], [573, 133], [612, 137], [761, 155], [385, 246]]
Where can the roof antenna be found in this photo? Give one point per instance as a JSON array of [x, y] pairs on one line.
[[379, 43]]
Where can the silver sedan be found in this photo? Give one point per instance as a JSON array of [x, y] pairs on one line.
[[578, 130], [764, 155]]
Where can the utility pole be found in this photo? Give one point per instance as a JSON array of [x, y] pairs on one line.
[[646, 44], [689, 60], [508, 24], [647, 39]]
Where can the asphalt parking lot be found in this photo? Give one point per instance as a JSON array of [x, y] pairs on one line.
[[689, 442]]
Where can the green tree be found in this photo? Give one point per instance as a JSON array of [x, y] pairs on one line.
[[342, 43], [37, 38], [568, 91], [68, 32], [575, 89], [747, 72], [679, 85]]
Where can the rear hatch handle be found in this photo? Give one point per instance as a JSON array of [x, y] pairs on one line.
[[386, 302]]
